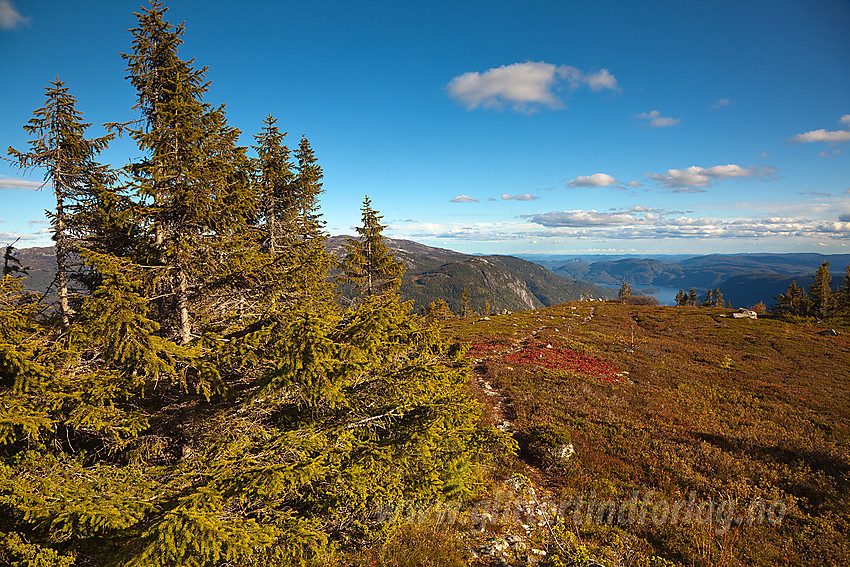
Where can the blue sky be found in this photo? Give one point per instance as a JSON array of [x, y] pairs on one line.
[[498, 126]]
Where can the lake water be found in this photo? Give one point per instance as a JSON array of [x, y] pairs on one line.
[[666, 295]]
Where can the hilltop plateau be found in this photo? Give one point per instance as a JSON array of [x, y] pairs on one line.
[[730, 418]]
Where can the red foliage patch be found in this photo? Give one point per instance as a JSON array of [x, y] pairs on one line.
[[481, 350], [564, 359]]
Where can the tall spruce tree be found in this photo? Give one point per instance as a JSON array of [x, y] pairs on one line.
[[273, 170], [368, 262], [308, 187], [60, 148], [820, 293], [193, 180]]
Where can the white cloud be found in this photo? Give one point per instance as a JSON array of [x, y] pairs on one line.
[[635, 184], [729, 170], [721, 103], [12, 183], [815, 194], [9, 237], [824, 135], [595, 180], [581, 218], [601, 80], [524, 197], [847, 191], [662, 212], [695, 176], [37, 221], [844, 217], [463, 199], [10, 18], [523, 86], [656, 120]]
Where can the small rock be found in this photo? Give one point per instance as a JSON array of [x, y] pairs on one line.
[[829, 333], [548, 346], [484, 319], [563, 452], [744, 314]]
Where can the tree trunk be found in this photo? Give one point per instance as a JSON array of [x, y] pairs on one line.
[[183, 308], [61, 249]]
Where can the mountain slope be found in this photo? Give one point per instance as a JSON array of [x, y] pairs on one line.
[[502, 282]]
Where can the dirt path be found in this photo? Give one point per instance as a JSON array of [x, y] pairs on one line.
[[499, 412]]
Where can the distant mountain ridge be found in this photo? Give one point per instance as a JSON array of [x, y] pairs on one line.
[[744, 279], [517, 283], [502, 282]]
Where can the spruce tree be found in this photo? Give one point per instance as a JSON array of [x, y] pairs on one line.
[[843, 294], [624, 292], [11, 264], [368, 262], [820, 293], [68, 159], [193, 179], [273, 170], [438, 310], [308, 187], [793, 302]]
